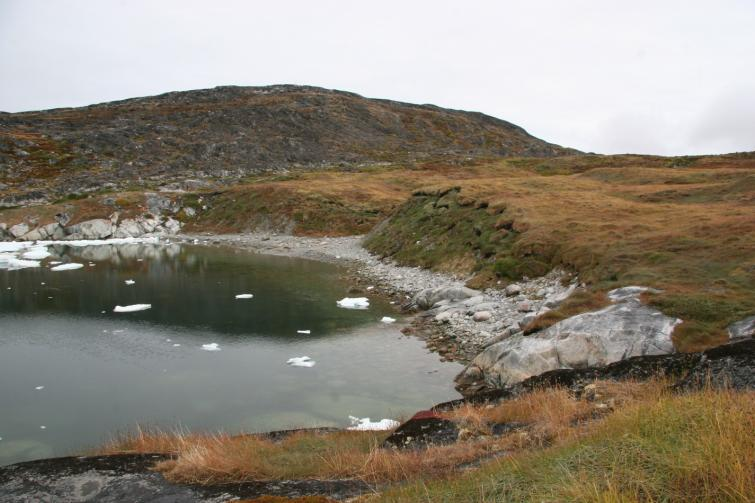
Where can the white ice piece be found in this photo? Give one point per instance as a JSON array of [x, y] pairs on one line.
[[39, 388], [132, 308], [364, 424], [67, 267], [303, 331], [387, 319], [244, 296], [212, 346], [129, 281], [353, 303], [36, 253], [301, 361]]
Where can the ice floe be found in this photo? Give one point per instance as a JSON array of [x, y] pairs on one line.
[[129, 281], [36, 253], [43, 427], [10, 262], [212, 346], [364, 424], [39, 388], [387, 319], [244, 296], [67, 267], [353, 303], [303, 331], [132, 308], [301, 361]]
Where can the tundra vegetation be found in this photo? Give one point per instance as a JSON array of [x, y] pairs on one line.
[[455, 192]]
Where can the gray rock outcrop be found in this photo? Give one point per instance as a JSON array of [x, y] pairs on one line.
[[623, 330], [743, 329]]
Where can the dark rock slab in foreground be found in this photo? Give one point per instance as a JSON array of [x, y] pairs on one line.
[[425, 428], [128, 478]]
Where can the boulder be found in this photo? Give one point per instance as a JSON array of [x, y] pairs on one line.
[[52, 232], [99, 228], [623, 330], [128, 228], [172, 226], [430, 296], [743, 329], [513, 289], [482, 316], [18, 230]]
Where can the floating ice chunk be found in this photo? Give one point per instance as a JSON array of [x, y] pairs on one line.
[[55, 262], [92, 265], [67, 267], [387, 319], [244, 296], [213, 346], [43, 427], [301, 361], [39, 388], [364, 424], [36, 253], [303, 331], [129, 281], [132, 308], [353, 303], [176, 345], [10, 262]]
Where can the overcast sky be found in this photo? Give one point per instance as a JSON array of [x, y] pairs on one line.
[[662, 76]]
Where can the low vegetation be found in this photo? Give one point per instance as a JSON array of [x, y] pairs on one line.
[[616, 442], [683, 225]]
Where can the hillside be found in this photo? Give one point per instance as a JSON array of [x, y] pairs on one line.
[[227, 133]]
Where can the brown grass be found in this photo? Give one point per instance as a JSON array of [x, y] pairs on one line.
[[551, 416], [579, 302]]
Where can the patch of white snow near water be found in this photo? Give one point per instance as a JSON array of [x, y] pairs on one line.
[[303, 331], [132, 308], [213, 346], [353, 303], [244, 296], [364, 424], [387, 319], [67, 267], [301, 361]]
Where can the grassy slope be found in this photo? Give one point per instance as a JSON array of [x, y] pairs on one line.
[[685, 225], [646, 445]]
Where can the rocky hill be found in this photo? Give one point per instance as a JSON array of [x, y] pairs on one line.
[[227, 133]]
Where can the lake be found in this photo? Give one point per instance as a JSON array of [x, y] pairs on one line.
[[73, 373]]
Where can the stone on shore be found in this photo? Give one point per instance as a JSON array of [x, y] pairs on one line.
[[428, 297]]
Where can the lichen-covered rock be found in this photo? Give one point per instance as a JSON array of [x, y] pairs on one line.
[[623, 330]]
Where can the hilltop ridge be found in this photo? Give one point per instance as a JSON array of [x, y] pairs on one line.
[[226, 133]]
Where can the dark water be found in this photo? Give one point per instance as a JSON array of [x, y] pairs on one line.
[[106, 372]]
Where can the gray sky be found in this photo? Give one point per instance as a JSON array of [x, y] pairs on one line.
[[662, 76]]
